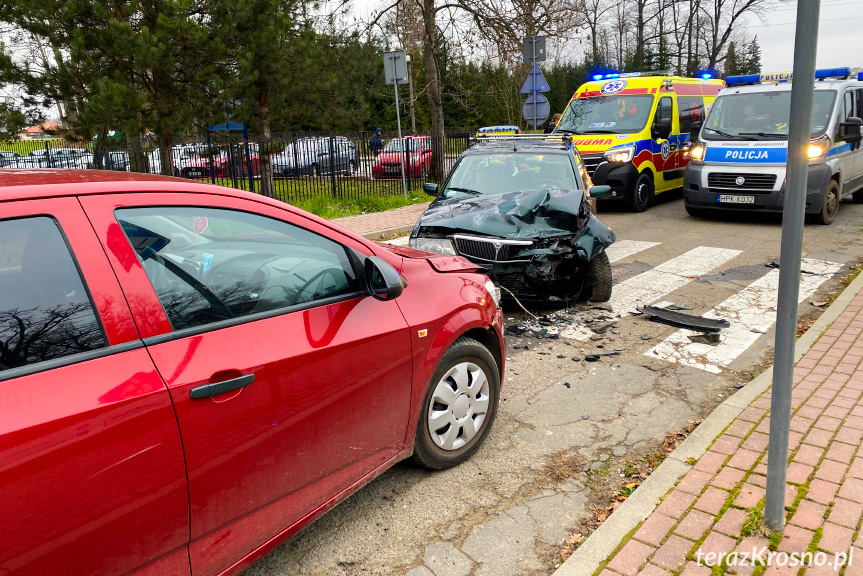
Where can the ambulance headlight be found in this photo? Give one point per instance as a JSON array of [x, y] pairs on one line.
[[696, 152], [818, 148], [620, 155]]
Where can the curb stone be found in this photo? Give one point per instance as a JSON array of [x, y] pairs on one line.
[[605, 540]]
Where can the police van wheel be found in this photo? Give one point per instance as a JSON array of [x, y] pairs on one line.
[[830, 207], [642, 195]]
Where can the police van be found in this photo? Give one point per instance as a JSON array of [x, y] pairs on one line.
[[632, 130], [738, 162]]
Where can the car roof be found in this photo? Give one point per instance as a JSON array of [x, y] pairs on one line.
[[499, 145], [786, 86], [31, 183]]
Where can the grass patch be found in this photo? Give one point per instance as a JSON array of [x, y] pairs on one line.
[[337, 208], [754, 524]]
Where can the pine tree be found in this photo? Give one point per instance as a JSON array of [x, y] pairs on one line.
[[753, 58], [732, 64]]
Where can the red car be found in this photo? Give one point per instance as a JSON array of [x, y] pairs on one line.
[[224, 165], [192, 374], [417, 156]]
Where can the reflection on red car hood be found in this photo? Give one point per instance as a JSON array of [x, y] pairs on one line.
[[439, 262]]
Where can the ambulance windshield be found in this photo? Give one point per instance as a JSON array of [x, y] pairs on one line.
[[762, 115], [621, 114]]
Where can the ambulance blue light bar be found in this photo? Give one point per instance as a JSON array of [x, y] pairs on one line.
[[785, 76], [610, 75]]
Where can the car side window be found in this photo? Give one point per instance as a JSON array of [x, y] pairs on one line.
[[212, 264], [45, 310], [847, 105], [664, 109], [690, 111], [859, 93]]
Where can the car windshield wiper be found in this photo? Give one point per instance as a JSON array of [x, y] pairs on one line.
[[565, 131], [765, 134], [599, 132], [465, 190], [727, 135]]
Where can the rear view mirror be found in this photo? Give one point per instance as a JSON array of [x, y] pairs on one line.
[[430, 189], [694, 131], [599, 192], [382, 281], [851, 130]]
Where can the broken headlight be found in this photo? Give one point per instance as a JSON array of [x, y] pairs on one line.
[[441, 246], [493, 291]]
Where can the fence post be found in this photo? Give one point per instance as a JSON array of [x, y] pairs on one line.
[[48, 156], [332, 167]]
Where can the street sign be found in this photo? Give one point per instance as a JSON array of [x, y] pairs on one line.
[[395, 67], [535, 115], [535, 82], [534, 49]]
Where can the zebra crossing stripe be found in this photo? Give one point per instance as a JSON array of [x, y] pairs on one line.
[[752, 311], [624, 248], [669, 276], [650, 286]]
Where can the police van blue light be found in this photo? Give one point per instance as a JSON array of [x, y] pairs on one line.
[[822, 74]]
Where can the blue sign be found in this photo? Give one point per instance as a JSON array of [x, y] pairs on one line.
[[747, 155], [535, 75]]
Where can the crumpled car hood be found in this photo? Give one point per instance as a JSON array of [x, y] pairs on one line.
[[532, 214]]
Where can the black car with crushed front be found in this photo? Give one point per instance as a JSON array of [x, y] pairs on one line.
[[519, 206]]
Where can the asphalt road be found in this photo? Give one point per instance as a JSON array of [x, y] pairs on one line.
[[502, 513]]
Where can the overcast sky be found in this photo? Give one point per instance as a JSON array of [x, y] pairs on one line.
[[840, 35]]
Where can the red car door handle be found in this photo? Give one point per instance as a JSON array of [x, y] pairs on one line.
[[208, 390]]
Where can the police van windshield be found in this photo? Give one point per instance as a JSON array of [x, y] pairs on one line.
[[501, 173], [762, 115], [621, 114]]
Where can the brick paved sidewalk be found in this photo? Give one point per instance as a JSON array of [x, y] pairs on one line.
[[389, 220], [708, 509]]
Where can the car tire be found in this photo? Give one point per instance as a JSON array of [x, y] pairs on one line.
[[697, 212], [352, 168], [423, 171], [830, 206], [316, 171], [642, 193], [466, 364], [600, 271]]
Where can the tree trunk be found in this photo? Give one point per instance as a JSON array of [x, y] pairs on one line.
[[433, 91], [264, 144]]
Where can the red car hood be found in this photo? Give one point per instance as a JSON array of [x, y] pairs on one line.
[[439, 262]]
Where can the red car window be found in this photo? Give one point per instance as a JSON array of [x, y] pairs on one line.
[[45, 311], [209, 264]]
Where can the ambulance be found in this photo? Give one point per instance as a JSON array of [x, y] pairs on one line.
[[632, 130], [738, 157]]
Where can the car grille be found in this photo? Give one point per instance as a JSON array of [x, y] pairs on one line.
[[490, 249], [758, 183], [591, 163], [515, 283]]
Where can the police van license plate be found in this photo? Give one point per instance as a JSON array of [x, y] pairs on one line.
[[735, 199]]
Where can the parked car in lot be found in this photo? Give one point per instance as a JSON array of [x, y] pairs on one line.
[[9, 159], [520, 207], [226, 161], [191, 374], [57, 158], [316, 156], [416, 156]]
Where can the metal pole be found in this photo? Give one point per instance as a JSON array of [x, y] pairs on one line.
[[399, 123], [805, 47], [411, 93], [532, 64]]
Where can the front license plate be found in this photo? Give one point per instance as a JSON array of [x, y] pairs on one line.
[[735, 199]]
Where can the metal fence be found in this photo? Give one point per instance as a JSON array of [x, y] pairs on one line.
[[303, 166]]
